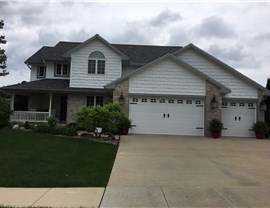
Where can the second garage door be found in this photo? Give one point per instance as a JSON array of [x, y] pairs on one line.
[[167, 116]]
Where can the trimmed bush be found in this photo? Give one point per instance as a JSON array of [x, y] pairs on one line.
[[26, 125], [65, 130]]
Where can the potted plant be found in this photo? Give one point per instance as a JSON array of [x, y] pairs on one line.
[[124, 125], [215, 127], [260, 128]]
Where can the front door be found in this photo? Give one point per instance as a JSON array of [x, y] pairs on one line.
[[63, 108]]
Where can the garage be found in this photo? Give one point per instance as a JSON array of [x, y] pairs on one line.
[[168, 116], [238, 118]]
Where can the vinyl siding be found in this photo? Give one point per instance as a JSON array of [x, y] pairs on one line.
[[240, 89], [169, 78], [49, 72], [79, 76]]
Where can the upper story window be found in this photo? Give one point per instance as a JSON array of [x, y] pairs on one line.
[[41, 72], [61, 70], [96, 63]]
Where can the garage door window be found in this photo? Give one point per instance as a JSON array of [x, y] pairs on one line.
[[224, 104], [242, 104], [134, 100], [198, 102], [144, 100], [153, 100], [179, 101], [171, 101], [162, 101], [189, 101], [250, 105], [233, 104]]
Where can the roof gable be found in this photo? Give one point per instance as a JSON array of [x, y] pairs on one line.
[[223, 88], [96, 37], [223, 65]]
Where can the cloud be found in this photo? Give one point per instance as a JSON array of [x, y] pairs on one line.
[[235, 56], [214, 26], [164, 18]]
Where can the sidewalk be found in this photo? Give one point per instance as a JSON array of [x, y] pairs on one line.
[[51, 197]]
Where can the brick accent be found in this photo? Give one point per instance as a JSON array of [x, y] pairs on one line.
[[260, 114], [212, 90], [122, 87], [74, 103]]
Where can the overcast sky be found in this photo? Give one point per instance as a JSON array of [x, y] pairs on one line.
[[236, 33]]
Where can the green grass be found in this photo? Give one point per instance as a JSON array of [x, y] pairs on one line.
[[29, 159]]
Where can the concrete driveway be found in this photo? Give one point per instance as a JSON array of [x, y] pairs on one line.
[[174, 171]]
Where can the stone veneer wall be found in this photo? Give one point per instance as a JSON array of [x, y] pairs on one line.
[[122, 87], [210, 114], [260, 114], [74, 103]]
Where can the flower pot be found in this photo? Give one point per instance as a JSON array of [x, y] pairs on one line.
[[260, 135], [216, 135], [124, 132]]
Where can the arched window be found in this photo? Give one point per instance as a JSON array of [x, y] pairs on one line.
[[96, 63]]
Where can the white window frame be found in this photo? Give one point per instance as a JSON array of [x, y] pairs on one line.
[[38, 71], [62, 70], [96, 63]]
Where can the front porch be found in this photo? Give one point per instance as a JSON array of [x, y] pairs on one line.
[[38, 107]]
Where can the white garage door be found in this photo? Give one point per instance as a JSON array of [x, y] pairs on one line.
[[167, 116], [238, 118]]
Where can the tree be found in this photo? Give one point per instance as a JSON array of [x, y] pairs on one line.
[[267, 112], [3, 57]]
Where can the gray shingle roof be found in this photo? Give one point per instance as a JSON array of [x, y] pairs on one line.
[[137, 53], [50, 85]]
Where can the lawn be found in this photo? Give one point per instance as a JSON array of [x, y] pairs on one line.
[[29, 159]]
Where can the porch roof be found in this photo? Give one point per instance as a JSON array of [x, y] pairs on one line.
[[49, 85]]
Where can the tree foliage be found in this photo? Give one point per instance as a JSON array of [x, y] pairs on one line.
[[5, 112], [267, 112], [3, 57]]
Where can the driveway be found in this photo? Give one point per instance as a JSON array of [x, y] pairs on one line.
[[177, 171]]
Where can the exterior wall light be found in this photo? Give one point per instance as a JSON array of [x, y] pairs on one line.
[[121, 99], [214, 103]]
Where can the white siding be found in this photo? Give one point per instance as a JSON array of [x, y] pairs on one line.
[[240, 89], [167, 77], [49, 72], [79, 66]]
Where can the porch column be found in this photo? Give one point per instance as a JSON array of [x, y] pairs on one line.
[[12, 101], [50, 105]]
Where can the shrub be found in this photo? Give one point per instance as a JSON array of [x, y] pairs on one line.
[[52, 121], [5, 112], [108, 117], [26, 125], [42, 128], [65, 130], [260, 127]]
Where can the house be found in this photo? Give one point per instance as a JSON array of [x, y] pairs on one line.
[[165, 90]]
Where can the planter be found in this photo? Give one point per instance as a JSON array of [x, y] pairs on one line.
[[260, 135], [216, 135], [124, 132]]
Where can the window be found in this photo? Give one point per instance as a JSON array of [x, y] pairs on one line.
[[134, 100], [224, 104], [94, 100], [171, 101], [96, 63], [180, 101], [162, 101], [250, 105], [61, 70], [144, 100], [242, 104], [41, 72], [198, 102], [189, 102], [233, 104], [153, 100]]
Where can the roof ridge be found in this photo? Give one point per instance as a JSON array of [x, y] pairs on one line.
[[145, 45]]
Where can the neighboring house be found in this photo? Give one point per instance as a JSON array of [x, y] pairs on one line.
[[166, 90]]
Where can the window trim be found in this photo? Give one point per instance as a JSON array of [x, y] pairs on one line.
[[38, 71], [62, 70]]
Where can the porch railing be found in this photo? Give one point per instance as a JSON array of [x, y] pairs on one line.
[[31, 116]]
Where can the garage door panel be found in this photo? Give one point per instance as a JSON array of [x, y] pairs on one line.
[[238, 118], [167, 118]]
